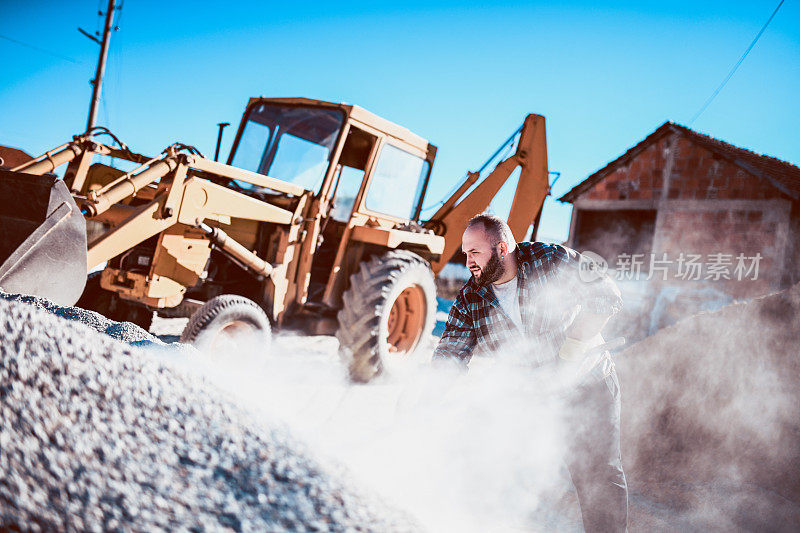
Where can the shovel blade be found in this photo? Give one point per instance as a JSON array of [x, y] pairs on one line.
[[42, 238]]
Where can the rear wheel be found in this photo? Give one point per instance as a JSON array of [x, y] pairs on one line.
[[110, 305], [226, 320], [389, 309]]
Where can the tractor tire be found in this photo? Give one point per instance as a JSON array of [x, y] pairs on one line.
[[388, 311], [224, 317], [95, 298]]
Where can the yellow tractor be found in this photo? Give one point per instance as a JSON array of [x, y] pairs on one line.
[[315, 218]]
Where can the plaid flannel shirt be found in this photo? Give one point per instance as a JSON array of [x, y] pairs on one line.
[[549, 289]]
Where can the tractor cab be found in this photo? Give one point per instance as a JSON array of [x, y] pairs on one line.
[[329, 149], [363, 171]]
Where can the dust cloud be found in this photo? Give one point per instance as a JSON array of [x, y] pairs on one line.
[[709, 426], [710, 416], [461, 452]]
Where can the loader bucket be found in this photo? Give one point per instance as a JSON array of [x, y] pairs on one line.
[[42, 238]]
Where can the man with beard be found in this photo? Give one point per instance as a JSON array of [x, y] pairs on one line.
[[528, 298]]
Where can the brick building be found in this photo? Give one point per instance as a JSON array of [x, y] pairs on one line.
[[688, 222]]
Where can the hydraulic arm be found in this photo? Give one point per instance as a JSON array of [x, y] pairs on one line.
[[531, 156]]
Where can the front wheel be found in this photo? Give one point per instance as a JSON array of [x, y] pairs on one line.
[[389, 309], [226, 320]]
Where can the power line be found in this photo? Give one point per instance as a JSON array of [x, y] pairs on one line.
[[38, 49], [736, 66]]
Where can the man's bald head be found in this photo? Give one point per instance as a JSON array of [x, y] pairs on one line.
[[496, 229]]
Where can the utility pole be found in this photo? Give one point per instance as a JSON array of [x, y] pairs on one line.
[[97, 82]]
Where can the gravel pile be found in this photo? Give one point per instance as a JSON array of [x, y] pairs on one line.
[[123, 331], [98, 435]]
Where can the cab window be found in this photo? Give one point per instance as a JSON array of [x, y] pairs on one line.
[[396, 182]]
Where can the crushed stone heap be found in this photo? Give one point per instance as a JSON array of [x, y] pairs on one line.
[[98, 435], [123, 331]]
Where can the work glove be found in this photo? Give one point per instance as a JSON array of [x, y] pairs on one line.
[[581, 356], [575, 350]]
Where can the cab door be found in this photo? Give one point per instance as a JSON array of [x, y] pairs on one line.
[[394, 178], [336, 207]]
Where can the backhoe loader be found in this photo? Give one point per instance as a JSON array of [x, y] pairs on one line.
[[315, 217]]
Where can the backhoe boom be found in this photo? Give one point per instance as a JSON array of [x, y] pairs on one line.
[[532, 188]]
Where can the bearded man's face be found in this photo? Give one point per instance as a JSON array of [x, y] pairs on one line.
[[491, 272], [483, 259]]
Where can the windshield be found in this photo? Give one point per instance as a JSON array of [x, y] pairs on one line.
[[290, 143]]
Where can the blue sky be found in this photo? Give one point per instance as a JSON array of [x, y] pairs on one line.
[[604, 74]]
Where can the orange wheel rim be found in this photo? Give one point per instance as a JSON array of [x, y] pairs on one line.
[[406, 320]]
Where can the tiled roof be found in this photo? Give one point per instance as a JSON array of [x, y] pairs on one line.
[[783, 175]]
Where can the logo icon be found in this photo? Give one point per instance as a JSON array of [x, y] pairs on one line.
[[592, 266]]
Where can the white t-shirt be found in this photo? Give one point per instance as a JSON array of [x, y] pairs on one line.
[[507, 296]]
